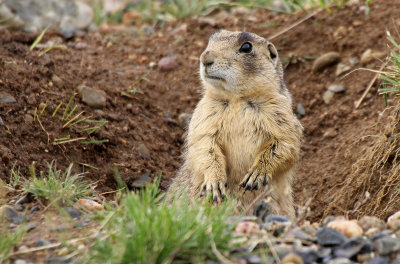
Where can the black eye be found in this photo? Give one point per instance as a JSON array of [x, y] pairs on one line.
[[246, 47]]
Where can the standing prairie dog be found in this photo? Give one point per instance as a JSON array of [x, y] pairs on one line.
[[243, 136]]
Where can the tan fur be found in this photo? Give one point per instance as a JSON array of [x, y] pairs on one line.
[[243, 133]]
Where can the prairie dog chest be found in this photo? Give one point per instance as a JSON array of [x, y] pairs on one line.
[[242, 133]]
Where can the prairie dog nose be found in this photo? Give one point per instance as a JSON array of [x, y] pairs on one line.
[[207, 58]]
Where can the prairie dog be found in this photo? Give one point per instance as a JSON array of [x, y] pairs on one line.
[[243, 136]]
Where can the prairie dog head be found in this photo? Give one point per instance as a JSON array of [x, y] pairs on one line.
[[240, 61]]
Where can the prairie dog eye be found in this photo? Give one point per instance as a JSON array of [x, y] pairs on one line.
[[246, 47]]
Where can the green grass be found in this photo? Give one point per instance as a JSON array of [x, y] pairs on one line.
[[9, 239], [148, 229], [391, 74], [55, 186]]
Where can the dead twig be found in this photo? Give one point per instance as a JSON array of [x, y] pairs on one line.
[[218, 254], [295, 24], [40, 123], [358, 103]]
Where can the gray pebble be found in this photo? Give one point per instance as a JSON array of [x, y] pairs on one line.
[[92, 97], [6, 98], [387, 245], [379, 260], [142, 181], [167, 63], [42, 242], [328, 96], [330, 237], [336, 88], [300, 111], [11, 214], [73, 212]]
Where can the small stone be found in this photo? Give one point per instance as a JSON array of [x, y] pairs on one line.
[[58, 260], [372, 231], [73, 212], [387, 245], [20, 261], [61, 228], [292, 258], [92, 97], [340, 261], [353, 61], [142, 181], [368, 222], [336, 88], [56, 80], [23, 248], [35, 208], [342, 68], [42, 242], [167, 63], [366, 57], [28, 119], [394, 221], [27, 198], [328, 96], [207, 21], [353, 247], [325, 60], [382, 234], [348, 228], [82, 223], [300, 111], [247, 228], [253, 259], [184, 119], [330, 237], [297, 233], [6, 98], [262, 210], [11, 214], [89, 205], [143, 151], [29, 227], [328, 219], [379, 260], [276, 219]]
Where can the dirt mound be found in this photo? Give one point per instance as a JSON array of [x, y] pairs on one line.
[[145, 136]]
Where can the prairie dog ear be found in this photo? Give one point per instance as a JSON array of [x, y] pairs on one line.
[[273, 54]]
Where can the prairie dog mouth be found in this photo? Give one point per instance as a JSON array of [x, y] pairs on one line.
[[214, 77]]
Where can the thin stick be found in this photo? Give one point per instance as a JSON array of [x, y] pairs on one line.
[[72, 119], [295, 24], [272, 249], [358, 103], [218, 254], [68, 141], [40, 123]]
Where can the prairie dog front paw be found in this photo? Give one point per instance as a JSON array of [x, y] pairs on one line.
[[215, 187]]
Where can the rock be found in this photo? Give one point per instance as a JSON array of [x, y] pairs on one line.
[[340, 261], [143, 151], [11, 214], [292, 258], [276, 219], [366, 57], [184, 119], [20, 261], [372, 231], [379, 260], [82, 223], [92, 97], [353, 247], [300, 111], [35, 208], [80, 19], [330, 237], [382, 234], [253, 259], [247, 228], [56, 80], [27, 198], [58, 260], [368, 222], [142, 181], [42, 242], [342, 68], [207, 21], [325, 60], [328, 96], [29, 227], [348, 228], [61, 228], [6, 98], [336, 88], [262, 210], [387, 245], [73, 212], [297, 233], [394, 221], [167, 63], [330, 133], [89, 205], [28, 119], [353, 61]]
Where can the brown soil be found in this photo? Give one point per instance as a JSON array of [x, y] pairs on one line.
[[144, 133]]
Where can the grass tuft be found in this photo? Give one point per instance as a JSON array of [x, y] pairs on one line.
[[148, 229], [8, 240], [63, 188]]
